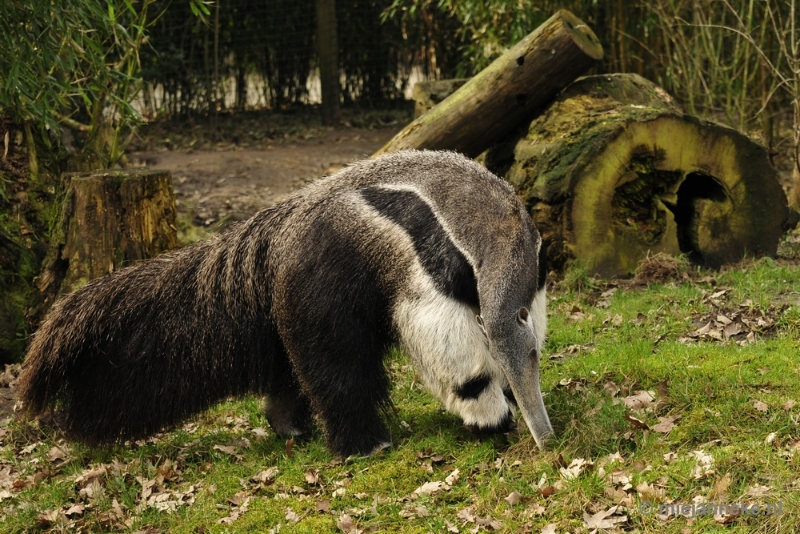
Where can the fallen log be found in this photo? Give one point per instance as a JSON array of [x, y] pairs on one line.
[[613, 169], [506, 93], [110, 219]]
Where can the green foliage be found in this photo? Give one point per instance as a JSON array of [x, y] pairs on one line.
[[479, 31], [72, 63], [268, 53]]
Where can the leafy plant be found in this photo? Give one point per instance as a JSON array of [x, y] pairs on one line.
[[74, 64]]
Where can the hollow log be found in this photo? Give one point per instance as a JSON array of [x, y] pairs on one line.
[[506, 93], [110, 219], [613, 170]]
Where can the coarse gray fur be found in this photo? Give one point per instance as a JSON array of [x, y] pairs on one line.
[[300, 303]]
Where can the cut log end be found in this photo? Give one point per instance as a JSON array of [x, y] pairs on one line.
[[582, 34], [614, 171]]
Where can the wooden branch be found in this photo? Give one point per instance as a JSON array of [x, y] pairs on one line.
[[508, 92]]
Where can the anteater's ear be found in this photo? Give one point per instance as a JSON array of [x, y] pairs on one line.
[[479, 320], [522, 316]]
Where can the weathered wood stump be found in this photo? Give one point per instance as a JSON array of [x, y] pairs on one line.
[[508, 92], [613, 169], [110, 219]]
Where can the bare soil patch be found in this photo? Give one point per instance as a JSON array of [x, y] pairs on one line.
[[232, 183], [251, 161]]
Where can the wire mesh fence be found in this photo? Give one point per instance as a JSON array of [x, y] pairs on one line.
[[263, 55]]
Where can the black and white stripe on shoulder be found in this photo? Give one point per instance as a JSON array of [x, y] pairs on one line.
[[442, 260]]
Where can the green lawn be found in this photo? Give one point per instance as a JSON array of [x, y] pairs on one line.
[[677, 392]]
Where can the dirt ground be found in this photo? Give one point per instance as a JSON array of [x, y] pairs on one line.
[[232, 182]]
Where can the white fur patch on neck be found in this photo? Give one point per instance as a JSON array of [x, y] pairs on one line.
[[448, 349]]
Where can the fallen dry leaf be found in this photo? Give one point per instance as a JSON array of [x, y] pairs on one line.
[[549, 529], [665, 424], [347, 525], [228, 449], [760, 406], [453, 478], [241, 501], [265, 477], [704, 464], [758, 491], [575, 468], [618, 496], [513, 498], [323, 506], [604, 519], [430, 487], [56, 454], [312, 477], [721, 486], [636, 423], [412, 511], [789, 404], [649, 492], [293, 517], [75, 509], [611, 388], [467, 515], [641, 400]]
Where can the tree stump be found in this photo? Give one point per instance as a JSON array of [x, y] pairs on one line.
[[506, 93], [110, 219], [613, 170]]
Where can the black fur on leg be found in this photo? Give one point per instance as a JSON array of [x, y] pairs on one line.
[[339, 359], [287, 408]]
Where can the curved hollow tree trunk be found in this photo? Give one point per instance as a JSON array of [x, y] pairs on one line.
[[613, 170]]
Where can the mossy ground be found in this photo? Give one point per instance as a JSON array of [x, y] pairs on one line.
[[608, 342]]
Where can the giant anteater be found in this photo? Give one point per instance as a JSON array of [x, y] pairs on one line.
[[300, 303]]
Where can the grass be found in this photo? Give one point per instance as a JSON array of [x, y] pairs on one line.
[[607, 342]]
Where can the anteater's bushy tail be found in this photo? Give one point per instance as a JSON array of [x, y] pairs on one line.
[[144, 347]]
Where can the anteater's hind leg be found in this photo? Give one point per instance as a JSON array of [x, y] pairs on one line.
[[288, 409]]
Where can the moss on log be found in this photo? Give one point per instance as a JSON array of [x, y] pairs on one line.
[[506, 93], [110, 219], [613, 170]]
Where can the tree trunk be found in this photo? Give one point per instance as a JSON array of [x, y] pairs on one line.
[[508, 92], [328, 48], [110, 219], [613, 169]]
